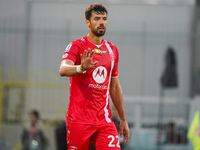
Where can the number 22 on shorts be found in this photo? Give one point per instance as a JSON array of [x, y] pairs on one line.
[[111, 144]]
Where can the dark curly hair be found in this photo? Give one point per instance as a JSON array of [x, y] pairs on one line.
[[96, 8]]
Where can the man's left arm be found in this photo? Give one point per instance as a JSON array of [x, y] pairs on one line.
[[118, 101]]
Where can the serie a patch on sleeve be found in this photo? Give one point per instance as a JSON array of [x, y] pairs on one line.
[[68, 48]]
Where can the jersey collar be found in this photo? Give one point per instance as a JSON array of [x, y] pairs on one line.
[[95, 44]]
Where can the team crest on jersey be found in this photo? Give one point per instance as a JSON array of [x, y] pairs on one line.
[[100, 51], [99, 74], [68, 48]]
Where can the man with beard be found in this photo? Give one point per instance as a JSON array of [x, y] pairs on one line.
[[92, 65]]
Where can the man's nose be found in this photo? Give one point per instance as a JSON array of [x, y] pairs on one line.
[[102, 22]]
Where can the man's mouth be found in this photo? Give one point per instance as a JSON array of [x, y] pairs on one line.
[[101, 28]]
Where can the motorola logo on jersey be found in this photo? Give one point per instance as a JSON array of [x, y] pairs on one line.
[[100, 74]]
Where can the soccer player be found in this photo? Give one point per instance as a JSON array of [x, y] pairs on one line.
[[91, 62]]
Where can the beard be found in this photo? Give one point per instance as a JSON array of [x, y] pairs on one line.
[[98, 33]]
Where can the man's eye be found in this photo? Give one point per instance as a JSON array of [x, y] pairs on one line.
[[96, 18]]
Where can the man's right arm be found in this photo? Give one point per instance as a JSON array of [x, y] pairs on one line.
[[67, 68]]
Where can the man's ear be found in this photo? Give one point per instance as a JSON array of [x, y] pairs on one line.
[[87, 22]]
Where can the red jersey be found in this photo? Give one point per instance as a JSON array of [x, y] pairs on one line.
[[89, 92]]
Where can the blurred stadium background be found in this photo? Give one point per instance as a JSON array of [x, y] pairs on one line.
[[34, 34]]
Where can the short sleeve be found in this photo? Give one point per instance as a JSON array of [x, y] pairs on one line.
[[71, 53], [115, 71]]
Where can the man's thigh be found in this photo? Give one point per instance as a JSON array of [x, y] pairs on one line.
[[106, 137], [79, 136]]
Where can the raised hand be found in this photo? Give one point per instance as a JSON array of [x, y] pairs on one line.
[[87, 60]]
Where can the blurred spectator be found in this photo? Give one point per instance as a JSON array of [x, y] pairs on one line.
[[60, 133], [171, 134], [182, 135], [176, 135], [33, 137]]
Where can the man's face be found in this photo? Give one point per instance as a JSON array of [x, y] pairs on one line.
[[33, 118], [98, 23]]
